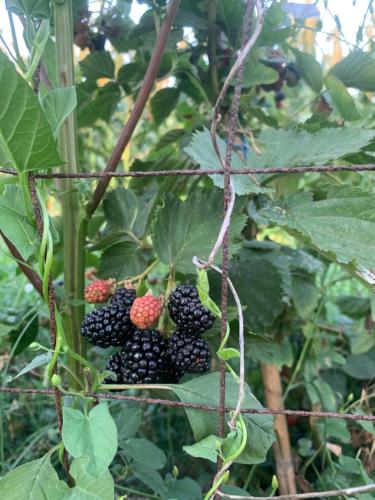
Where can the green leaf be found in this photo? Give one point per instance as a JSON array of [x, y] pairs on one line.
[[228, 353], [163, 103], [33, 480], [305, 294], [99, 106], [256, 73], [98, 64], [309, 69], [26, 141], [128, 421], [288, 148], [341, 98], [361, 366], [206, 390], [356, 70], [184, 229], [29, 8], [277, 353], [259, 285], [145, 452], [14, 223], [203, 152], [207, 448], [57, 105], [343, 225], [89, 487], [183, 489], [93, 436], [121, 260], [150, 477], [40, 360]]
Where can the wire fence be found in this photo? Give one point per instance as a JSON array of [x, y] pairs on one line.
[[222, 242]]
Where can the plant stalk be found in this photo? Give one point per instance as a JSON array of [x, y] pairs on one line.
[[72, 228]]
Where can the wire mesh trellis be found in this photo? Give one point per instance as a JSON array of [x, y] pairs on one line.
[[227, 173]]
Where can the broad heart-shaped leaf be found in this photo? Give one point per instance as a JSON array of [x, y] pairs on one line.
[[98, 64], [184, 229], [341, 98], [309, 69], [163, 103], [205, 448], [29, 8], [14, 223], [58, 104], [259, 284], [93, 436], [145, 452], [203, 152], [205, 390], [343, 225], [26, 141], [356, 70], [33, 480], [88, 487], [288, 148]]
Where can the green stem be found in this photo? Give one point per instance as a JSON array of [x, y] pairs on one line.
[[74, 232]]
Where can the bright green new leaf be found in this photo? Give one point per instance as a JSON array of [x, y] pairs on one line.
[[57, 105], [26, 140], [184, 229], [228, 353], [93, 436], [207, 448], [356, 70], [309, 69], [343, 225], [205, 390], [341, 98]]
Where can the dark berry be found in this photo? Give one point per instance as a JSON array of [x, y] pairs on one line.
[[191, 354], [290, 74], [145, 357], [187, 311], [124, 296], [173, 374], [114, 364], [109, 325]]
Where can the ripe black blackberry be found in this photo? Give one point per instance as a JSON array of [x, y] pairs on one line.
[[108, 326], [188, 353], [114, 364], [145, 357], [124, 296], [173, 374], [187, 311]]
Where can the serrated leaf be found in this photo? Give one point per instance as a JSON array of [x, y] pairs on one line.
[[341, 98], [205, 448], [203, 152], [342, 225], [356, 70], [29, 8], [26, 141], [98, 64], [93, 436], [305, 294], [309, 69], [58, 104], [274, 352], [163, 103], [184, 229], [99, 106], [121, 260], [205, 390]]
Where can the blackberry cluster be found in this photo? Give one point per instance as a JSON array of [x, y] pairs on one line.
[[114, 364], [187, 311], [110, 325]]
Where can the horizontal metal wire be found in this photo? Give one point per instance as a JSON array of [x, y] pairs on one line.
[[188, 172], [193, 406]]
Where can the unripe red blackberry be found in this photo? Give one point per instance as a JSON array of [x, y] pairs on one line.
[[99, 291], [146, 310]]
